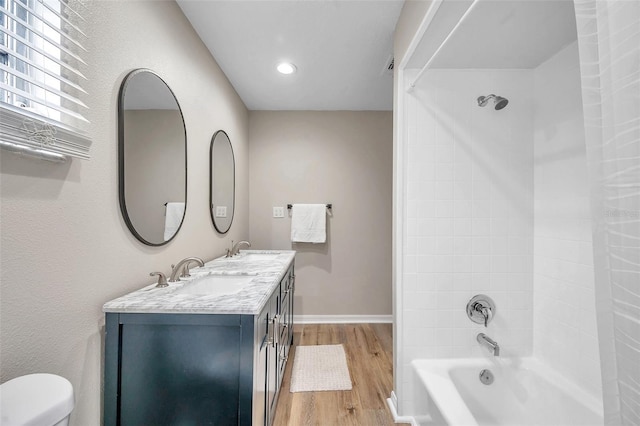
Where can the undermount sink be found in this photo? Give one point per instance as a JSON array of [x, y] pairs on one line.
[[216, 285], [255, 256]]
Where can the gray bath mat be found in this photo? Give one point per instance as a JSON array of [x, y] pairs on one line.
[[320, 368]]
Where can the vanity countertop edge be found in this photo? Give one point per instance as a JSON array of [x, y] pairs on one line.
[[249, 301]]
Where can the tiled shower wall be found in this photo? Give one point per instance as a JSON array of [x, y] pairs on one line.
[[565, 330], [468, 225], [476, 178]]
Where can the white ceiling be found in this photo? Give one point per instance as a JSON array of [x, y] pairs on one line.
[[501, 34], [340, 48]]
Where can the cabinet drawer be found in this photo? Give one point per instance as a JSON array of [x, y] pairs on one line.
[[262, 324], [284, 301], [284, 286]]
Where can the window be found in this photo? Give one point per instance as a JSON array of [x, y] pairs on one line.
[[41, 63]]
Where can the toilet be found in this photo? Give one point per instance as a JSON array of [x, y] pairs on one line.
[[36, 400]]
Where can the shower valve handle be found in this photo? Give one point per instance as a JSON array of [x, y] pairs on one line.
[[481, 309], [486, 313]]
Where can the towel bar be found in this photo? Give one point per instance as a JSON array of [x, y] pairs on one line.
[[290, 206]]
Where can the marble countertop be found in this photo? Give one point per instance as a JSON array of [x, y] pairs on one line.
[[264, 276]]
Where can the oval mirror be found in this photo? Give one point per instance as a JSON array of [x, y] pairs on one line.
[[222, 182], [152, 158]]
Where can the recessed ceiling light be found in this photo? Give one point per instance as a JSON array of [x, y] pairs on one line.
[[286, 68]]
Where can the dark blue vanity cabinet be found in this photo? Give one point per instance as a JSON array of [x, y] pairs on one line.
[[197, 369]]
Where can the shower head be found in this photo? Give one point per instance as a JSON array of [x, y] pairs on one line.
[[499, 101]]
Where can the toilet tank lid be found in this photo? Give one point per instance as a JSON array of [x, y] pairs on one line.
[[35, 399]]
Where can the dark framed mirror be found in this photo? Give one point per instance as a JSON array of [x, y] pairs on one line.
[[222, 181], [152, 158]]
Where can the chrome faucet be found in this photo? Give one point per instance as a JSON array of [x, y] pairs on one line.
[[235, 248], [182, 268], [491, 344], [485, 312], [162, 280], [481, 309]]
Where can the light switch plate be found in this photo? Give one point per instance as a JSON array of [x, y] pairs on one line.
[[221, 211], [278, 212]]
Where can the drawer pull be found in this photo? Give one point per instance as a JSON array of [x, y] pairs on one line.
[[273, 336]]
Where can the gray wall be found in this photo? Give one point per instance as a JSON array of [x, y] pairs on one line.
[[65, 248], [342, 158]]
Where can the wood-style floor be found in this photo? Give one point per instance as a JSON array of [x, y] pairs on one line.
[[369, 355]]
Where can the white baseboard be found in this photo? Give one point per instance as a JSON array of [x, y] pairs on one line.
[[392, 402], [341, 319]]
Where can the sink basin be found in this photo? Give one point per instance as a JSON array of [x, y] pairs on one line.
[[221, 270], [216, 285], [255, 256]]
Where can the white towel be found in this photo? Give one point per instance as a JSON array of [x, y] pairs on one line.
[[172, 219], [308, 223]]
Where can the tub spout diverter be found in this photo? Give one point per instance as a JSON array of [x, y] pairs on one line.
[[488, 342]]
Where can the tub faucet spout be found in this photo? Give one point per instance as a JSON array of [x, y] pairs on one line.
[[491, 344]]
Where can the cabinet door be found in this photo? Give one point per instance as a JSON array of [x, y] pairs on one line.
[[290, 294], [179, 373], [292, 290], [260, 390], [272, 355], [283, 347], [285, 319]]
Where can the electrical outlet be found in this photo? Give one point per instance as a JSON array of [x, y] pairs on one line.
[[221, 211], [278, 212]]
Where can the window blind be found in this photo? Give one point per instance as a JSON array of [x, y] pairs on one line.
[[41, 78]]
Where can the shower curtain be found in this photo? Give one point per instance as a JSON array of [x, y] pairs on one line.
[[609, 44]]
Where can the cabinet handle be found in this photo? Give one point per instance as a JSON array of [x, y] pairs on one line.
[[284, 358], [273, 336], [270, 332]]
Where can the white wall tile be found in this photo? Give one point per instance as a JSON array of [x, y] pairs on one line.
[[502, 208], [471, 203], [479, 178]]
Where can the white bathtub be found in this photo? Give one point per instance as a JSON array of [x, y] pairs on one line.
[[524, 392]]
